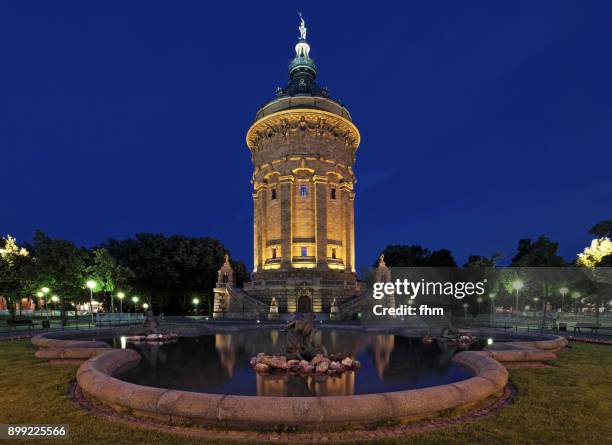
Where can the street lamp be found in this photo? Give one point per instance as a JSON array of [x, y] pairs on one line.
[[121, 296], [55, 299], [145, 306], [196, 301], [563, 291], [91, 284], [517, 285], [135, 301], [479, 300], [45, 291], [40, 295], [535, 305], [492, 297], [575, 296], [465, 308]]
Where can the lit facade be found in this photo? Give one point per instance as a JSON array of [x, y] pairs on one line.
[[303, 146]]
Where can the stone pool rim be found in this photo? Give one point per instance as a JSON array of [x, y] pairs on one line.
[[96, 382]]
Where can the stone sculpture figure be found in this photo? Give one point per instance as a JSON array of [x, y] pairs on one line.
[[300, 338], [151, 323], [302, 27]]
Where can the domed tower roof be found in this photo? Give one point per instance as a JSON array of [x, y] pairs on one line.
[[302, 91]]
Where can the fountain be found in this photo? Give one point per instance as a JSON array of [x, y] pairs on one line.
[[152, 334], [303, 353]]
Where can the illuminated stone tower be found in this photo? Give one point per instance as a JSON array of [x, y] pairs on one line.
[[303, 147]]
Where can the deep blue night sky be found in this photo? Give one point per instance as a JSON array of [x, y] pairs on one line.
[[481, 123]]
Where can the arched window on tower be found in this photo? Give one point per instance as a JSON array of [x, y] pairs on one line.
[[333, 193], [273, 193], [303, 190]]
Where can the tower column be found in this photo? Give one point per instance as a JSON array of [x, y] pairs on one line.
[[320, 184], [261, 227], [349, 236], [286, 211], [257, 238]]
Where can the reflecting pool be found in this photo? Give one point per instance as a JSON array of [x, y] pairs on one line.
[[220, 364]]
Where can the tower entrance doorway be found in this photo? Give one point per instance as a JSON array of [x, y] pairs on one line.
[[304, 304]]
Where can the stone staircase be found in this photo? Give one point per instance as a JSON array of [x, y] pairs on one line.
[[236, 303]]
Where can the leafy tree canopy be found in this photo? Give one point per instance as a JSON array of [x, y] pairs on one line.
[[169, 271], [477, 261], [602, 229], [417, 256], [107, 273], [60, 265], [539, 253], [16, 271]]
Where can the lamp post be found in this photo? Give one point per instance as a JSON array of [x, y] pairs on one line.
[[492, 297], [196, 301], [479, 300], [45, 291], [40, 295], [145, 306], [575, 296], [465, 308], [121, 296], [563, 291], [517, 285], [535, 305], [135, 301], [54, 299], [91, 284]]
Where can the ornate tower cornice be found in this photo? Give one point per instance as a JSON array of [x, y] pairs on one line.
[[294, 122]]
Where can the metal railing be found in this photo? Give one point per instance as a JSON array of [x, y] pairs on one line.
[[33, 323]]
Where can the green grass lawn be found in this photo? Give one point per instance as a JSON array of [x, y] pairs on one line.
[[570, 403]]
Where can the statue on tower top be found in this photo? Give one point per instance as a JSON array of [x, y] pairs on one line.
[[302, 27]]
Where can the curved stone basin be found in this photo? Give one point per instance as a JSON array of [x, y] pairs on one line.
[[96, 380]]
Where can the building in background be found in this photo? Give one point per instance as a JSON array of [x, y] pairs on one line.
[[303, 146]]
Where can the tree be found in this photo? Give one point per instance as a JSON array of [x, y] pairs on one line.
[[417, 256], [108, 274], [539, 253], [171, 271], [533, 254], [15, 272], [596, 254], [441, 258], [602, 229], [477, 261], [60, 265], [597, 258]]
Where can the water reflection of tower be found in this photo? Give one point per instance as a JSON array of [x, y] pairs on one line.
[[295, 385], [274, 337], [383, 347], [153, 353], [227, 352]]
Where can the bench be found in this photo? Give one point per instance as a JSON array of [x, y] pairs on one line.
[[594, 327], [14, 322]]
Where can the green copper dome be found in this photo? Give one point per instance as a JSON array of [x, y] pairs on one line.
[[303, 91]]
